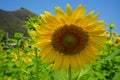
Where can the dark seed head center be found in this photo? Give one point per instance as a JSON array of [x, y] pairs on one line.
[[69, 39]]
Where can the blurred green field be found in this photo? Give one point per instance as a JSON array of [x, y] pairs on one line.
[[19, 60]]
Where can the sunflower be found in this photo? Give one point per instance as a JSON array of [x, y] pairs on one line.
[[117, 41], [69, 39]]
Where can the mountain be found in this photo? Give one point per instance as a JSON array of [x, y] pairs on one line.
[[14, 21]]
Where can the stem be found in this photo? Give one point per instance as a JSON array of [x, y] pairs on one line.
[[110, 33], [110, 37], [18, 50], [69, 73], [79, 76], [18, 55], [37, 63], [109, 52]]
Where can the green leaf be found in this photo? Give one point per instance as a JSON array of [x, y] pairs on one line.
[[18, 36], [117, 52], [117, 76], [60, 75], [84, 72]]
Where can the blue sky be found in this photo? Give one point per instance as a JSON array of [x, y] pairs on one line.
[[109, 10]]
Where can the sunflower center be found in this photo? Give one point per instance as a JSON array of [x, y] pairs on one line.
[[69, 39]]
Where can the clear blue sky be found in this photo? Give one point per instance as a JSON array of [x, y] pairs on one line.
[[109, 10]]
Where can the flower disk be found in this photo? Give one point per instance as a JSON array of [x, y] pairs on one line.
[[70, 38]]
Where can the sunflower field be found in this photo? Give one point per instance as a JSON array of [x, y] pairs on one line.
[[33, 58]]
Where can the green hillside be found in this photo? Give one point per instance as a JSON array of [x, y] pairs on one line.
[[14, 21]]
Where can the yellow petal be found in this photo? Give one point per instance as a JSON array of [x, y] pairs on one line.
[[42, 40], [45, 32], [98, 39], [51, 16], [50, 25], [41, 44], [81, 60], [58, 62], [97, 32], [90, 14], [102, 26], [59, 11], [66, 62], [42, 22], [69, 10], [96, 45], [78, 9], [78, 60], [91, 52], [86, 20], [50, 57], [46, 50], [78, 14], [73, 62], [43, 17], [94, 25], [86, 57], [93, 19], [51, 19], [61, 15]]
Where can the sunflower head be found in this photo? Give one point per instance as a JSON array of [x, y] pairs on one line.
[[112, 25], [115, 34], [117, 41], [70, 38]]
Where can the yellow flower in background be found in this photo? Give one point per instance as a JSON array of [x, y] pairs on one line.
[[27, 59], [15, 57], [9, 78], [115, 34], [21, 52], [32, 33], [112, 25], [25, 44], [107, 34], [110, 42], [12, 53], [31, 53], [117, 41], [4, 53], [70, 38]]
